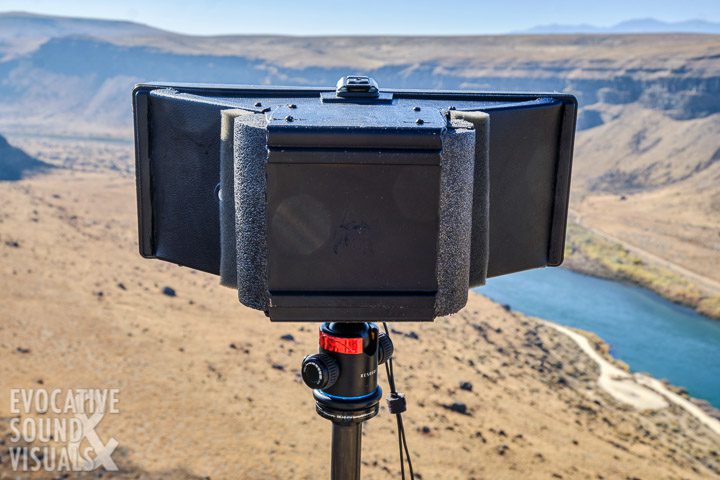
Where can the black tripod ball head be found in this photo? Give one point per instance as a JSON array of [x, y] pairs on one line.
[[344, 372], [321, 370]]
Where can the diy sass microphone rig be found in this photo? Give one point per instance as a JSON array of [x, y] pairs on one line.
[[352, 205]]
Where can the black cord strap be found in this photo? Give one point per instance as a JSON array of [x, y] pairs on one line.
[[397, 405]]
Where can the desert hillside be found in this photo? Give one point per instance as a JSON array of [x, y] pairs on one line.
[[204, 381]]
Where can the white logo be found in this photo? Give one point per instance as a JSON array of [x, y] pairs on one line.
[[55, 431]]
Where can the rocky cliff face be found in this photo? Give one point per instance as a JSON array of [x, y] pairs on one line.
[[80, 77], [651, 100], [15, 163]]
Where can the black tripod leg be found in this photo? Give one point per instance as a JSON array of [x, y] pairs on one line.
[[343, 376], [346, 450]]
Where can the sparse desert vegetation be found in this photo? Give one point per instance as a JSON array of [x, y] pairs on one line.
[[592, 254]]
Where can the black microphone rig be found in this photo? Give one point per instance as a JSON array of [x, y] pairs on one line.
[[354, 204]]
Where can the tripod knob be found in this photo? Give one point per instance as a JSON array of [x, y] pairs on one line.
[[385, 348], [320, 371]]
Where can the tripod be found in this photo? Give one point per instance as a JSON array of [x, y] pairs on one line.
[[343, 376]]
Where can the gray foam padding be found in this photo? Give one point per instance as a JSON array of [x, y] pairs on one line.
[[480, 241], [228, 239], [250, 160], [456, 217], [463, 208]]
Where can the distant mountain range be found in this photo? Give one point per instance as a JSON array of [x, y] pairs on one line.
[[640, 25], [16, 26], [23, 25]]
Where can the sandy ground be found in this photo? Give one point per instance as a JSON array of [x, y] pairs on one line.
[[618, 383], [668, 224], [209, 388]]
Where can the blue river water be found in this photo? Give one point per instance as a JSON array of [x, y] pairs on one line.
[[644, 330]]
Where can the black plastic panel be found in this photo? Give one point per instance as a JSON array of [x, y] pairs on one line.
[[377, 244], [185, 153], [523, 159], [531, 138]]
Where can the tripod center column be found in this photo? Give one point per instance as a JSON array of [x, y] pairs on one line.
[[343, 376]]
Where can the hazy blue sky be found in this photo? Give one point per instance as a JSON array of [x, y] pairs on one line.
[[369, 16]]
